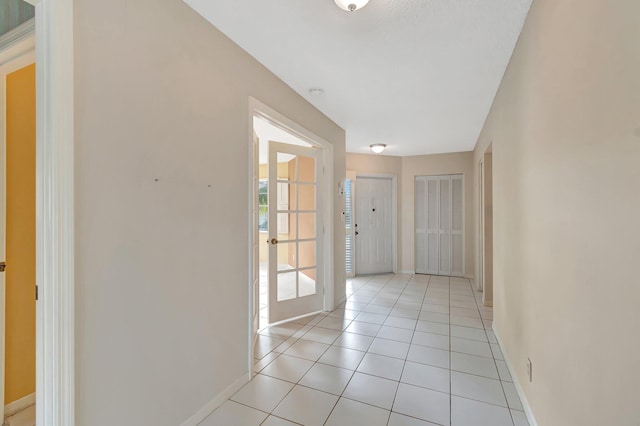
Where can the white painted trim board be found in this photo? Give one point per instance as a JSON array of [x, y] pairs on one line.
[[217, 401], [19, 404]]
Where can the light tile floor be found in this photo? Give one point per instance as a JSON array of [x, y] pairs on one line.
[[402, 350]]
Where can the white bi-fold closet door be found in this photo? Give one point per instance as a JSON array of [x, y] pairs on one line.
[[439, 222]]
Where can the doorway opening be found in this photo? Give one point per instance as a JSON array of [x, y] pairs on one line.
[[17, 215], [291, 226]]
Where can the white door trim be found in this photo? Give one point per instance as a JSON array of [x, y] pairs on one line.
[[394, 214], [259, 109], [55, 378]]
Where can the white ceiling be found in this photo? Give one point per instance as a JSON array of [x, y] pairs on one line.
[[418, 75]]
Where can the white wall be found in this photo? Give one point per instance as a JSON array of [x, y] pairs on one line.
[[162, 276], [565, 127]]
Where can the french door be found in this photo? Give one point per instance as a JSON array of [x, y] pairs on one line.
[[439, 222], [295, 231]]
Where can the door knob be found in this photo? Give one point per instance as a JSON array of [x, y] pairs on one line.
[[3, 266], [356, 232], [274, 241]]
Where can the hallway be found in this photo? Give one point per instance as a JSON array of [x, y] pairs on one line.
[[402, 350]]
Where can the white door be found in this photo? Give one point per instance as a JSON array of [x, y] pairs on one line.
[[295, 232], [439, 222], [374, 225]]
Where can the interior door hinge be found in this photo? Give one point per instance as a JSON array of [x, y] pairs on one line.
[[36, 292]]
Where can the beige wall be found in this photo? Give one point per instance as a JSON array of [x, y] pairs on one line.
[[20, 315], [161, 267], [406, 169], [565, 127]]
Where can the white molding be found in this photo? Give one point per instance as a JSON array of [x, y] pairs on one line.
[[217, 401], [406, 272], [525, 403], [55, 373], [18, 34], [20, 404]]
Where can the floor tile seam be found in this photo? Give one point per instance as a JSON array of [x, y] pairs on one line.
[[365, 403], [483, 402], [244, 405], [282, 418]]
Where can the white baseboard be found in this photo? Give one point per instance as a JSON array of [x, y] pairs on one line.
[[219, 399], [514, 377], [405, 272], [20, 404]]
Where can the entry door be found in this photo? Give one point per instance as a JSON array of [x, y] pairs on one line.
[[295, 250], [439, 226], [374, 225]]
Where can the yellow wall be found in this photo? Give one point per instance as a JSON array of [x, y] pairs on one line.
[[564, 131], [21, 237]]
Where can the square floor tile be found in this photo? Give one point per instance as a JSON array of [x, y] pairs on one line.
[[286, 344], [399, 322], [503, 371], [434, 317], [371, 390], [364, 328], [478, 388], [469, 333], [422, 403], [497, 352], [354, 341], [426, 376], [381, 366], [327, 378], [427, 355], [397, 334], [433, 327], [472, 364], [519, 418], [397, 419], [371, 318], [439, 309], [265, 344], [321, 335], [287, 368], [377, 309], [349, 412], [232, 413], [306, 406], [405, 313], [260, 364], [334, 323], [342, 357], [276, 421], [389, 348], [343, 314], [263, 393], [466, 321], [513, 400], [307, 349], [466, 412], [472, 347], [465, 312], [431, 339]]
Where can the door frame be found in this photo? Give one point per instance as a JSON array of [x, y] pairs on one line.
[[261, 110], [394, 215], [55, 251]]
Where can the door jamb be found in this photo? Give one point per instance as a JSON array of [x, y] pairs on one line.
[[394, 215], [259, 109], [55, 250]]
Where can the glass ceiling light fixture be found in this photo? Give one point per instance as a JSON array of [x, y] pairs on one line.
[[351, 5], [377, 147]]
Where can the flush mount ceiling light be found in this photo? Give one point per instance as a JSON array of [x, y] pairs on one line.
[[377, 147], [351, 5]]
